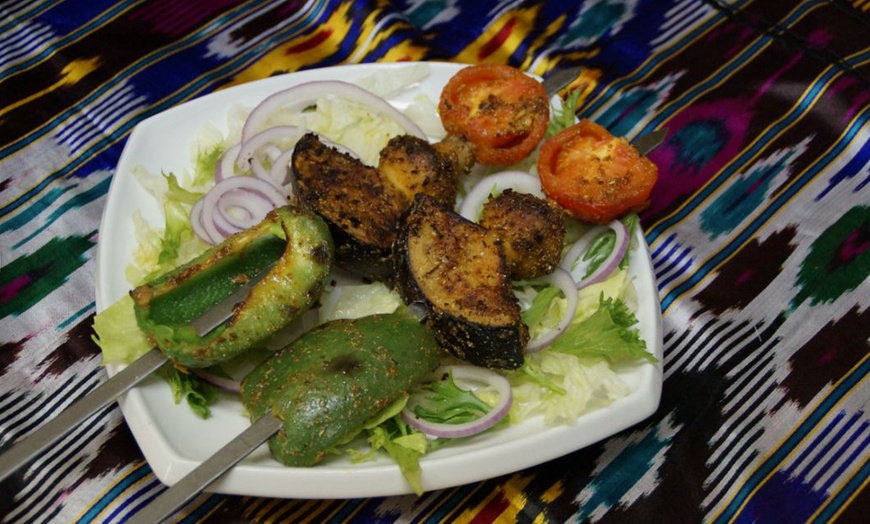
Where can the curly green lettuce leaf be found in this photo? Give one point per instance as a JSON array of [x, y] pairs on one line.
[[198, 394], [444, 402], [564, 117], [609, 333], [205, 164]]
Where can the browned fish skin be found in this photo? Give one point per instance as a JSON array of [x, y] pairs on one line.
[[453, 266], [530, 229], [361, 210], [364, 205], [413, 166]]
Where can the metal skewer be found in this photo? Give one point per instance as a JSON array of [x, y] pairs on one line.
[[206, 473], [649, 141], [30, 445]]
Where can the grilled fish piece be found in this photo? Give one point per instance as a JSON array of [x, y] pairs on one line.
[[454, 268], [364, 205], [530, 229]]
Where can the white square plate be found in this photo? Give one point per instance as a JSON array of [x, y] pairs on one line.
[[175, 441]]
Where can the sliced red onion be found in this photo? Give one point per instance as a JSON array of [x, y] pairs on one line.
[[575, 254], [224, 383], [266, 140], [303, 95], [197, 224], [564, 281], [519, 181], [467, 373], [227, 164], [251, 196], [280, 173]]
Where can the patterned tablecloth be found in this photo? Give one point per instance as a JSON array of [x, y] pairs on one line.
[[759, 230]]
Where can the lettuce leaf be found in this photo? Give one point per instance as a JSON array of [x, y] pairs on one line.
[[118, 334], [564, 117], [404, 445], [121, 341], [198, 394], [443, 402], [562, 387], [608, 333]]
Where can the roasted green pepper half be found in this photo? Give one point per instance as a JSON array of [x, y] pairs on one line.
[[328, 383], [294, 242]]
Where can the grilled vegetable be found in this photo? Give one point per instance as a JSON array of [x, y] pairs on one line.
[[594, 175], [328, 383], [454, 268], [361, 210], [364, 205], [530, 229], [295, 242], [499, 109], [414, 166]]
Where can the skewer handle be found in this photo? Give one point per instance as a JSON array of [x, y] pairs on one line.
[[209, 471]]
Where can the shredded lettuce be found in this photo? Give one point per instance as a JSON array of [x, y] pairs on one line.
[[562, 387], [404, 445], [575, 373], [354, 301], [354, 126], [389, 432], [159, 249], [118, 334]]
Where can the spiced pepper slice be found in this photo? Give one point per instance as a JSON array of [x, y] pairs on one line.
[[294, 242], [327, 384]]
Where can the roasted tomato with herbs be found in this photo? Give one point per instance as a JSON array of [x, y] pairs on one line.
[[499, 109], [594, 175]]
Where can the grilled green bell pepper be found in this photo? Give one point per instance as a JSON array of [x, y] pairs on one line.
[[294, 242], [328, 383]]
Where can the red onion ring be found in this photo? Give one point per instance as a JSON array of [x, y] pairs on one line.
[[303, 95], [227, 384], [281, 174], [470, 373], [268, 137], [564, 281], [226, 166], [253, 196], [519, 181], [607, 266], [197, 225]]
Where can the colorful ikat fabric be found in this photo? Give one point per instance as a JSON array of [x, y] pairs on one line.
[[759, 233]]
